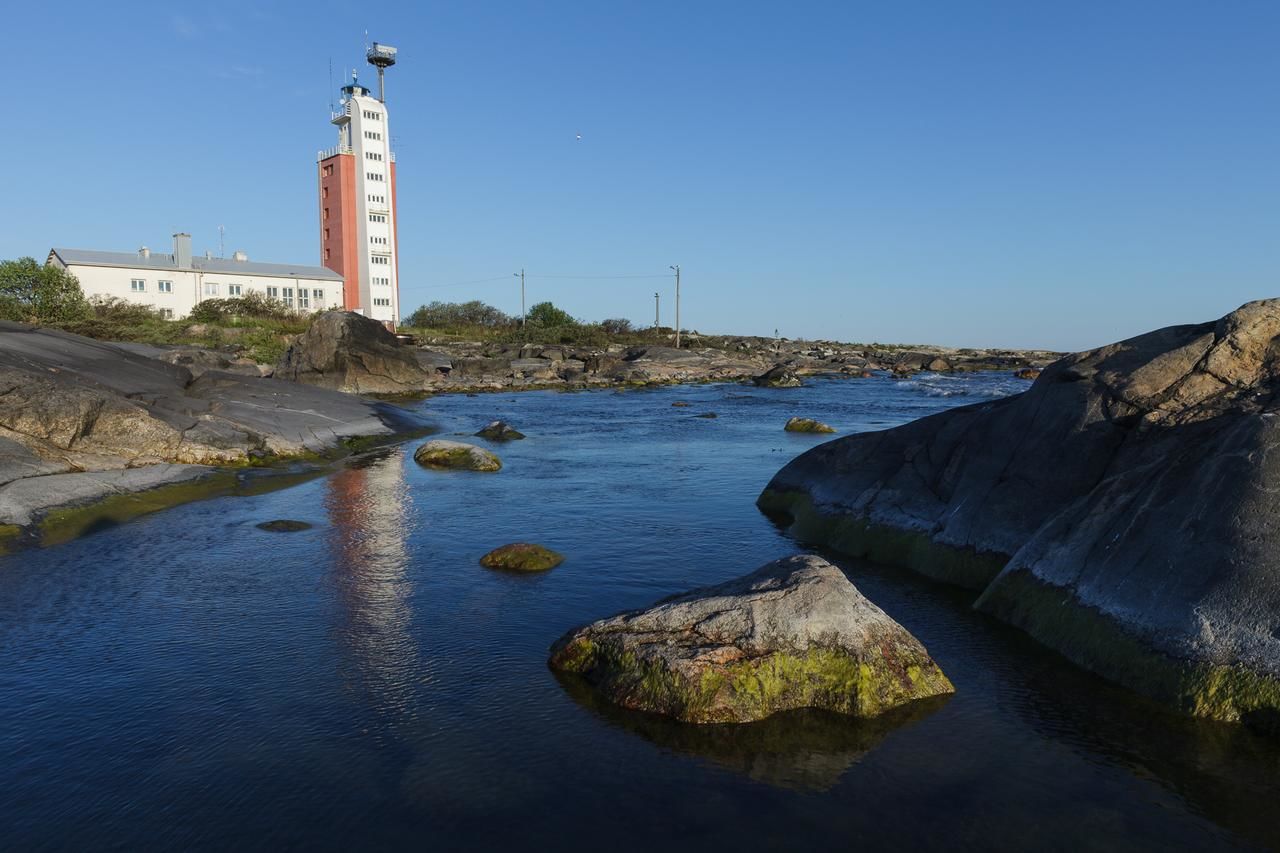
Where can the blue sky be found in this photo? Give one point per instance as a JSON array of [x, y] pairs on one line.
[[963, 173]]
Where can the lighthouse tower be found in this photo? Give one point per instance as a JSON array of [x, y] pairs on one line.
[[358, 200]]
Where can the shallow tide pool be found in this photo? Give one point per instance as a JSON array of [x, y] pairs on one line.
[[187, 681]]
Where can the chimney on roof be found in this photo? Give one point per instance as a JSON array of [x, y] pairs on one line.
[[182, 251], [239, 256], [144, 253]]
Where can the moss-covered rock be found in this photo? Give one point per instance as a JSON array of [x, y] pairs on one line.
[[807, 425], [522, 557], [441, 453], [793, 634]]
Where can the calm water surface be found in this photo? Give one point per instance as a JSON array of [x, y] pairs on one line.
[[187, 681]]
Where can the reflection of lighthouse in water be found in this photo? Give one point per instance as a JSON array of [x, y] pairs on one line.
[[369, 509]]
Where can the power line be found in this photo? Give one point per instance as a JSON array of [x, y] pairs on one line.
[[548, 275], [464, 283]]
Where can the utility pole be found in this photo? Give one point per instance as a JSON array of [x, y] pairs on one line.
[[677, 269], [655, 312], [520, 275]]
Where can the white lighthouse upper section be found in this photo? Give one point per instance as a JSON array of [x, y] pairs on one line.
[[363, 132]]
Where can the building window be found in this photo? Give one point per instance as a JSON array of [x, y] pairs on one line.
[[273, 293], [326, 213], [373, 176], [288, 296], [318, 296], [210, 288], [328, 170], [371, 115], [304, 300], [164, 286], [138, 285], [326, 253], [326, 233], [166, 313], [377, 217], [324, 194], [233, 290], [380, 259]]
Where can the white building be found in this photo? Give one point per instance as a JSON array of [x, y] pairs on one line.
[[358, 201], [175, 283]]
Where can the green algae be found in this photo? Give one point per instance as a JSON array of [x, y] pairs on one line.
[[1098, 642], [755, 688], [66, 523], [522, 557], [807, 425], [857, 537]]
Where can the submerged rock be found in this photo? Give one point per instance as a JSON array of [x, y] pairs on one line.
[[283, 525], [806, 425], [793, 634], [778, 376], [681, 404], [1122, 510], [707, 415], [500, 431], [1027, 373], [523, 557], [442, 453]]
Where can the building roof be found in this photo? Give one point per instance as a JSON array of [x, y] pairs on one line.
[[199, 263]]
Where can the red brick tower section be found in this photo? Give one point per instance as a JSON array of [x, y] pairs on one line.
[[395, 241], [338, 225]]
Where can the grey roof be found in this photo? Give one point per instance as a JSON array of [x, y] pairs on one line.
[[199, 263]]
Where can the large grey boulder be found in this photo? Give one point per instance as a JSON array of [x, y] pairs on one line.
[[349, 352], [793, 634], [1122, 510]]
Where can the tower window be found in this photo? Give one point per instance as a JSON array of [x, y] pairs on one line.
[[328, 170]]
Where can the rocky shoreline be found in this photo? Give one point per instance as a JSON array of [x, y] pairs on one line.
[[346, 352], [90, 424]]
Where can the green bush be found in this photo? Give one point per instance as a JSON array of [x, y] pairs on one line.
[[549, 316], [253, 305], [444, 315], [616, 326], [40, 293]]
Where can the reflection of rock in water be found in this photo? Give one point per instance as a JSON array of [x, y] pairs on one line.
[[806, 749], [368, 505]]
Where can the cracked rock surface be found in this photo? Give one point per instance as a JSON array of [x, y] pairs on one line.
[[795, 633], [71, 406], [1128, 505]]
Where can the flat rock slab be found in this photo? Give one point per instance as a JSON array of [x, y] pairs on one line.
[[795, 633], [522, 557], [442, 453], [23, 500]]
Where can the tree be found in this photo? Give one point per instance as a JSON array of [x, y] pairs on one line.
[[547, 315], [439, 315], [616, 326], [36, 293]]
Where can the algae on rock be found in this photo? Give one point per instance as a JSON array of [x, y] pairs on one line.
[[793, 634]]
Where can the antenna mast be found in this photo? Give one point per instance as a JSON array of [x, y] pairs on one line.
[[382, 57]]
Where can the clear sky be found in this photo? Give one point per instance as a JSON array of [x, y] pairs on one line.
[[964, 173]]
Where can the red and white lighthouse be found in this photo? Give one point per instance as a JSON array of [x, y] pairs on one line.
[[358, 199]]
